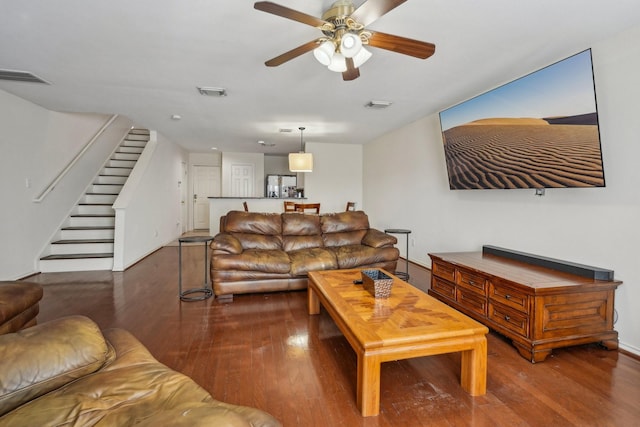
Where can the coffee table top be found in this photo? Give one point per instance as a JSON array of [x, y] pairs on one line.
[[408, 315]]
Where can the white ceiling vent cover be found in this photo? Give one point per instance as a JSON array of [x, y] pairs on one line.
[[21, 76]]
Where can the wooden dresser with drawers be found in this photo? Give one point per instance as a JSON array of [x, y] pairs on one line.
[[537, 307]]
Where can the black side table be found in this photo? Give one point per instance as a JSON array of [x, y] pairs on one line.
[[205, 291], [400, 274]]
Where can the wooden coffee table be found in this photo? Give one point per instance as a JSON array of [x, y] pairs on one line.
[[408, 324]]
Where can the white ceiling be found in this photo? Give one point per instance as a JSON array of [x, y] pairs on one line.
[[144, 58]]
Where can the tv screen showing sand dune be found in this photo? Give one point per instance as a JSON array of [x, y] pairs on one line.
[[540, 131]]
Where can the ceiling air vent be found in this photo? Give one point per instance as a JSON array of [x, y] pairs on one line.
[[377, 105], [212, 91], [21, 76]]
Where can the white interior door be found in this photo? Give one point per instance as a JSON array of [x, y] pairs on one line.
[[242, 180], [206, 183]]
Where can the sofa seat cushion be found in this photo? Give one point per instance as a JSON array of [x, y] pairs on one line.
[[266, 260], [313, 259], [353, 256], [42, 358], [19, 305]]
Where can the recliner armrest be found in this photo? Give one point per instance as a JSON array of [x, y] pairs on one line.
[[378, 239]]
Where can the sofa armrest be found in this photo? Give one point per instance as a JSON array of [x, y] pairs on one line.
[[42, 358], [226, 243], [378, 239]]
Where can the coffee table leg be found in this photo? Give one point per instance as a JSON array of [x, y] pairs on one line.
[[313, 301], [368, 387], [473, 376]]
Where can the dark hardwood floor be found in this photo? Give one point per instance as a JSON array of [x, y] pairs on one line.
[[263, 350]]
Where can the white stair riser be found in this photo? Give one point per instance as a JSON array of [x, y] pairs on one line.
[[126, 156], [87, 234], [116, 171], [88, 264], [106, 188], [130, 150], [93, 210], [99, 198], [137, 137], [121, 163], [82, 221], [81, 248], [106, 179]]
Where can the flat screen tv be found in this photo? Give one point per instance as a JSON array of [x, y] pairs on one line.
[[539, 131]]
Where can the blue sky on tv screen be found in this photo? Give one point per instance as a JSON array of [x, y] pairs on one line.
[[561, 89]]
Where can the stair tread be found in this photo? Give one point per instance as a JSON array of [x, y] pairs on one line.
[[89, 228], [93, 216], [77, 256], [73, 241]]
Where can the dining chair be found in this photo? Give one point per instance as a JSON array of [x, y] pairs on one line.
[[289, 206], [351, 206], [303, 207]]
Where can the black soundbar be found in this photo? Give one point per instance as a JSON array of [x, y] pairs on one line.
[[555, 264]]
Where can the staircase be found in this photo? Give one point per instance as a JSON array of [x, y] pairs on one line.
[[85, 242]]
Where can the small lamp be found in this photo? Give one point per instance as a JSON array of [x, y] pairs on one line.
[[301, 162]]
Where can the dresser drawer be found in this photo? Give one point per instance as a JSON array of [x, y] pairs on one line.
[[472, 301], [444, 288], [446, 271], [509, 318], [471, 281], [509, 296]]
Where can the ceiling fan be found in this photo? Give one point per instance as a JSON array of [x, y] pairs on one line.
[[341, 48]]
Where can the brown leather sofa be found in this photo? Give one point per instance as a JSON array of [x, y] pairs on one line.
[[19, 305], [67, 373], [259, 252]]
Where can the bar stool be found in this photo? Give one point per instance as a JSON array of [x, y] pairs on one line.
[[205, 291], [406, 232]]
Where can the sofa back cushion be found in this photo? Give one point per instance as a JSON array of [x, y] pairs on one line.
[[301, 231], [344, 228], [255, 230], [45, 357]]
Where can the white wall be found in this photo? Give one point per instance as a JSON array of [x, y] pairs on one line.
[[336, 178], [407, 187], [35, 145], [148, 208]]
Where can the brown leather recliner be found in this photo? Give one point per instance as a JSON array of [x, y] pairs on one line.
[[66, 372], [259, 252], [19, 305]]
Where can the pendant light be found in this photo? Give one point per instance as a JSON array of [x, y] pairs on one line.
[[301, 162]]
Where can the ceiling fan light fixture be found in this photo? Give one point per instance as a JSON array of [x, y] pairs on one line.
[[361, 57], [350, 45], [324, 52], [338, 63]]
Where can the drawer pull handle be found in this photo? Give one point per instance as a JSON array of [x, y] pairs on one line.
[[471, 282], [507, 318], [507, 296]]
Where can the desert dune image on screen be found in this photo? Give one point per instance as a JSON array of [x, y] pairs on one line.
[[540, 131]]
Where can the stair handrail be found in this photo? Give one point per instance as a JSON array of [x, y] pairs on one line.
[[75, 160]]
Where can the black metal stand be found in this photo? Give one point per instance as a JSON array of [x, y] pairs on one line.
[[205, 291], [400, 274]]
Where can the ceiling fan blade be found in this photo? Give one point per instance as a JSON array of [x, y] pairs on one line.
[[293, 53], [285, 12], [416, 48], [352, 72], [371, 10]]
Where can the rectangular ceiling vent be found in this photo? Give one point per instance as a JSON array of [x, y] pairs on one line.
[[21, 76], [212, 91]]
